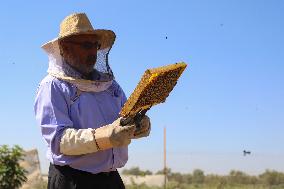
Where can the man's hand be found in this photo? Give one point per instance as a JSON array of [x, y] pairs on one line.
[[114, 135], [145, 128]]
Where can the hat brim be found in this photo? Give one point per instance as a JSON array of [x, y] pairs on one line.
[[106, 38]]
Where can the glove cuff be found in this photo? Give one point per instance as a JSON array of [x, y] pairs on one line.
[[102, 138]]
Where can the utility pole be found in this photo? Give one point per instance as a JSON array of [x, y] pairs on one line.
[[165, 160]]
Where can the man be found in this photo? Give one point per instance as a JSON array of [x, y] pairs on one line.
[[77, 106]]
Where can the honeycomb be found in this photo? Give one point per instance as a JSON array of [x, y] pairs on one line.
[[153, 88]]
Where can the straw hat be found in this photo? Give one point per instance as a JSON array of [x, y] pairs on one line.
[[79, 24]]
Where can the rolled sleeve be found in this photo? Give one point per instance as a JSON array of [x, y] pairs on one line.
[[52, 113]]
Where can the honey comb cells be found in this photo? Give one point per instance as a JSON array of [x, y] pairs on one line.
[[153, 88]]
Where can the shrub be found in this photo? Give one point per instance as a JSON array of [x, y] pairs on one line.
[[12, 175]]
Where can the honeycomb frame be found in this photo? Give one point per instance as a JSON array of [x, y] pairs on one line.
[[153, 88]]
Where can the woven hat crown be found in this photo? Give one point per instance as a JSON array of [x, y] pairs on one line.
[[78, 23], [75, 24]]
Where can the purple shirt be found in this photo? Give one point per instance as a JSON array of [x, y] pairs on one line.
[[57, 107]]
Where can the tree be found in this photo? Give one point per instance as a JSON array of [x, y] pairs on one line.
[[12, 175], [167, 170], [238, 177], [136, 171], [178, 177], [271, 177], [198, 176]]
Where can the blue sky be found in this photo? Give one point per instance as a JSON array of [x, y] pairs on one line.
[[229, 99]]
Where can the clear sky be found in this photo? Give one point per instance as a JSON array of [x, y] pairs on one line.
[[229, 99]]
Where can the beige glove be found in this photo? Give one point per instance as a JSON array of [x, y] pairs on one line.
[[114, 135], [84, 141], [145, 128]]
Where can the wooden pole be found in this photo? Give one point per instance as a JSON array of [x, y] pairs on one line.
[[165, 159]]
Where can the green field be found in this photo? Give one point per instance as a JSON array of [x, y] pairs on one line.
[[204, 186]]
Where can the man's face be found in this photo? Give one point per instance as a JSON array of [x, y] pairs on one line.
[[80, 51]]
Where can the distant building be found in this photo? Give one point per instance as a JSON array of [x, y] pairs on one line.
[[31, 164], [149, 180]]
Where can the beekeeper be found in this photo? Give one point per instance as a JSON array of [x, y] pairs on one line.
[[77, 106]]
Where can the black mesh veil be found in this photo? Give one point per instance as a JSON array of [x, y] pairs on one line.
[[102, 64], [58, 66]]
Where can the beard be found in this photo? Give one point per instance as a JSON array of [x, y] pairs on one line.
[[91, 60], [83, 67]]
